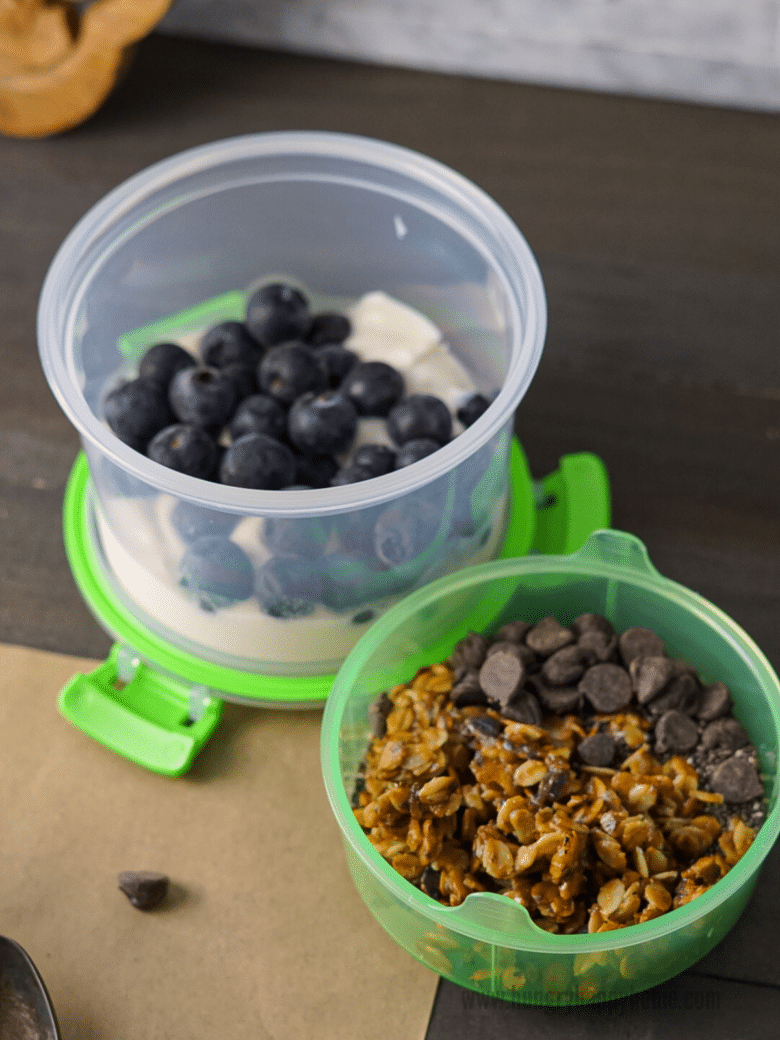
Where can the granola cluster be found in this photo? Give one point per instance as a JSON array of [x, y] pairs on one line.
[[581, 814]]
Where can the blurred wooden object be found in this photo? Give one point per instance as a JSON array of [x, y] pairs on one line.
[[58, 64]]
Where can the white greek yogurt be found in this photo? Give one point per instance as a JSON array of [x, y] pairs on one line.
[[142, 549]]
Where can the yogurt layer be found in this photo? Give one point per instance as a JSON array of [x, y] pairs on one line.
[[142, 548]]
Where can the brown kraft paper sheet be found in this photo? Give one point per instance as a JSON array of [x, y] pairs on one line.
[[263, 934]]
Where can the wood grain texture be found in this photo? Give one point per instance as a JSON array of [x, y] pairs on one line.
[[655, 229]]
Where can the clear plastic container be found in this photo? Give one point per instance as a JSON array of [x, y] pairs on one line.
[[178, 248], [489, 943]]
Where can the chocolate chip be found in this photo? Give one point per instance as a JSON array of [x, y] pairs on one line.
[[675, 732], [736, 779], [649, 675], [145, 889], [525, 653], [484, 726], [467, 691], [564, 667], [502, 674], [551, 786], [715, 702], [523, 708], [548, 635], [429, 882], [682, 693], [639, 642], [593, 623], [597, 750], [606, 686], [377, 714], [727, 734], [559, 699], [596, 646], [469, 652], [513, 632]]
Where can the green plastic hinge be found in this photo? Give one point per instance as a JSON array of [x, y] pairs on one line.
[[150, 718], [571, 504]]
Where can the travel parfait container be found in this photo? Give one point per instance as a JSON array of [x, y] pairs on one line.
[[296, 576], [489, 942]]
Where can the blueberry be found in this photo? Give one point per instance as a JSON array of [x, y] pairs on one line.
[[324, 423], [230, 343], [192, 522], [405, 530], [420, 415], [293, 536], [337, 361], [117, 481], [289, 370], [373, 387], [415, 450], [257, 461], [315, 471], [259, 413], [136, 411], [288, 586], [377, 457], [162, 361], [185, 448], [244, 378], [328, 327], [351, 474], [216, 572], [203, 396], [276, 313], [472, 409], [350, 581]]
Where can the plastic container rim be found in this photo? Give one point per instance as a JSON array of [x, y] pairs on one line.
[[517, 265], [531, 937]]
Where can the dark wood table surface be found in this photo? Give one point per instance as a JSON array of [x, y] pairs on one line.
[[656, 230]]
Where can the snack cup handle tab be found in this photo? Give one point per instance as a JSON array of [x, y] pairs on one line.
[[610, 548]]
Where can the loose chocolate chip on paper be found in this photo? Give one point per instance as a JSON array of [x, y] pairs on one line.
[[736, 779], [548, 635], [502, 674], [606, 686], [563, 667], [675, 732], [727, 734], [145, 889], [640, 642], [649, 675], [715, 702], [597, 750]]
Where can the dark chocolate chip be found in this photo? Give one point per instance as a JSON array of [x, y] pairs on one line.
[[551, 786], [484, 726], [467, 691], [597, 750], [377, 714], [593, 623], [470, 652], [639, 642], [559, 699], [596, 646], [547, 636], [727, 734], [145, 889], [502, 674], [649, 675], [564, 667], [675, 732], [525, 653], [523, 708], [429, 882], [715, 702], [606, 686], [513, 632], [736, 779], [682, 693]]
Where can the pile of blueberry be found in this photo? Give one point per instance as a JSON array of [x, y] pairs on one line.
[[269, 404], [273, 400]]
